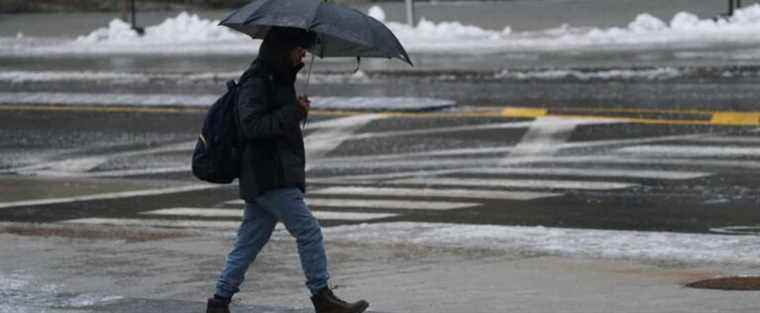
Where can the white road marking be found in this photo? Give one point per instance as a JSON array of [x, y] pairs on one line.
[[440, 130], [87, 163], [546, 134], [517, 183], [156, 223], [379, 204], [117, 173], [589, 172], [351, 216], [375, 177], [464, 164], [238, 213], [428, 163], [108, 196], [606, 159], [202, 212], [689, 151], [729, 139], [389, 204], [628, 141], [327, 139], [427, 192], [445, 152]]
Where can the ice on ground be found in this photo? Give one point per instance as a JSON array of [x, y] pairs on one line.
[[205, 100], [15, 77], [649, 74], [191, 34], [634, 245]]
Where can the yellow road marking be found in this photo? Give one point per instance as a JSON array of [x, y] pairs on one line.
[[523, 112], [56, 108], [729, 118], [716, 118], [735, 118]]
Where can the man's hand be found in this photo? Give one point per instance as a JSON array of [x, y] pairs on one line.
[[305, 104]]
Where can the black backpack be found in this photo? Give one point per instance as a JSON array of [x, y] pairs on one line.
[[216, 158]]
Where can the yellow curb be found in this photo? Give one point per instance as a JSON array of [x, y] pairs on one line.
[[727, 118], [735, 118], [54, 108], [717, 118], [523, 112]]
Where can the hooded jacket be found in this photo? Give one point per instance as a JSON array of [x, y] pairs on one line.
[[269, 116]]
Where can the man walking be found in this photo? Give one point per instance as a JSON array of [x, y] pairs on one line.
[[272, 177]]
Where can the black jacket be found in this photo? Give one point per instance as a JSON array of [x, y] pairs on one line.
[[269, 119]]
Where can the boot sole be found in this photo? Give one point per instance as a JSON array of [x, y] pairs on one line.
[[362, 307]]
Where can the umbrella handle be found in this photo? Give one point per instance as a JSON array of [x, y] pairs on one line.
[[358, 64], [306, 87], [308, 75]]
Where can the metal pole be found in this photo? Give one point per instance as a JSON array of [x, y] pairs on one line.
[[730, 7], [410, 12], [140, 31], [132, 8]]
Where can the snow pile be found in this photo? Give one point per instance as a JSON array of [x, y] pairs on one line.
[[191, 34], [646, 31], [205, 100], [18, 77], [184, 28], [184, 33], [635, 245], [649, 74]]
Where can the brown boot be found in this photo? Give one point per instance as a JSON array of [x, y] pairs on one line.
[[215, 305], [326, 302]]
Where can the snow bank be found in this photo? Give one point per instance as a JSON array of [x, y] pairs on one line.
[[184, 28], [647, 74], [205, 100], [646, 31], [635, 245], [191, 34]]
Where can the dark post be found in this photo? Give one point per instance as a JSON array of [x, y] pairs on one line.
[[738, 4], [139, 30], [730, 7]]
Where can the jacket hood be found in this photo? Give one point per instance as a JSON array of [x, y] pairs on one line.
[[276, 48]]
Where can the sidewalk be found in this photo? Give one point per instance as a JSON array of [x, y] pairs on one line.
[[113, 269]]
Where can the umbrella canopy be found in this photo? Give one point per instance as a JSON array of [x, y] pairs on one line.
[[341, 31]]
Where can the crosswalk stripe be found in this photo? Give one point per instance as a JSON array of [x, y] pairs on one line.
[[427, 192], [403, 156], [381, 204], [591, 172], [203, 212], [689, 151], [439, 130], [519, 183], [109, 196], [389, 204], [215, 212], [156, 223], [728, 139], [637, 161]]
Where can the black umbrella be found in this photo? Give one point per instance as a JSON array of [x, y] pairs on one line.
[[340, 31]]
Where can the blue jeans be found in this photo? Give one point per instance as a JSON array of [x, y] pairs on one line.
[[259, 220]]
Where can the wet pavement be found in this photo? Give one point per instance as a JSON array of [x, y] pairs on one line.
[[556, 209], [108, 274], [599, 172], [560, 181]]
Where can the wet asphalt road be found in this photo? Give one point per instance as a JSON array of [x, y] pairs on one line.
[[460, 166]]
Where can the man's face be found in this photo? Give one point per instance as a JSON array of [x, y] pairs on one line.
[[296, 56]]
